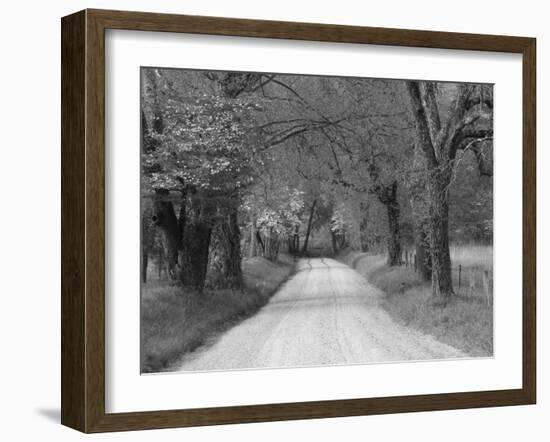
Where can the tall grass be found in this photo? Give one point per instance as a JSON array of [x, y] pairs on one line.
[[175, 320], [466, 322]]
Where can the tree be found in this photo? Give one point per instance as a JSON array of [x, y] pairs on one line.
[[309, 224], [367, 147], [440, 135], [419, 205], [162, 214], [470, 205], [274, 210], [202, 154], [237, 162]]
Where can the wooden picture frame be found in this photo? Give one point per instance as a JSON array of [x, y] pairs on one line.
[[83, 220]]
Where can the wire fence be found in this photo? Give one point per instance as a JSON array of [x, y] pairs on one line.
[[467, 281]]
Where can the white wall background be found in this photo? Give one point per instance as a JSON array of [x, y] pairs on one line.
[[30, 221]]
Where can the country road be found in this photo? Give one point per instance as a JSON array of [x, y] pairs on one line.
[[326, 314]]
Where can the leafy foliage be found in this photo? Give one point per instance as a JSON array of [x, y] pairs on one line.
[[275, 146], [204, 143]]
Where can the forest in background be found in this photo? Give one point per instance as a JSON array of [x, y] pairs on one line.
[[250, 164]]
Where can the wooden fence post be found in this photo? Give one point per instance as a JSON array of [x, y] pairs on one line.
[[414, 259], [459, 275], [406, 259], [485, 276]]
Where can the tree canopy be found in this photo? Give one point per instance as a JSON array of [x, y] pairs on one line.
[[236, 161]]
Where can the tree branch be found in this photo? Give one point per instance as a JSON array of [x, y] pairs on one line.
[[421, 124], [456, 120], [432, 110]]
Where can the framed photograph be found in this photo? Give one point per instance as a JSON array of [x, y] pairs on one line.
[[267, 221]]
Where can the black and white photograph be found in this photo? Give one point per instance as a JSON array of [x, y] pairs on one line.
[[266, 221], [302, 220]]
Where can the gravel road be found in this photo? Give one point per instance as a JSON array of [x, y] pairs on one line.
[[326, 314]]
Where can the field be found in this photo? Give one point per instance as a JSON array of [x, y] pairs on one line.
[[175, 321], [466, 322], [472, 256]]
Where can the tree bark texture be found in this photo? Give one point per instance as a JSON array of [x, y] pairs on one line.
[[252, 245], [147, 240], [420, 210], [195, 245], [271, 245], [165, 219], [442, 284], [225, 258], [387, 195], [144, 263], [422, 247], [394, 240], [309, 223], [231, 240], [334, 242], [364, 228]]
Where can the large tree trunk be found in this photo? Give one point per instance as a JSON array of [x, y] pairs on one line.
[[260, 241], [147, 240], [232, 246], [423, 258], [144, 262], [308, 232], [334, 242], [388, 196], [296, 239], [420, 209], [225, 251], [252, 245], [195, 224], [272, 245], [339, 241], [194, 255], [442, 284], [394, 237], [165, 219], [290, 243], [363, 227]]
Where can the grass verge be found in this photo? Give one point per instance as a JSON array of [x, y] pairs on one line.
[[465, 323], [175, 321]]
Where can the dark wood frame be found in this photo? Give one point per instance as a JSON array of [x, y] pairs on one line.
[[83, 217]]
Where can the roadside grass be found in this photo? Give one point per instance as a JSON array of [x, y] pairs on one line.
[[465, 323], [175, 321]]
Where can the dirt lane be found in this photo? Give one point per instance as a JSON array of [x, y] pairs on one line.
[[326, 314]]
